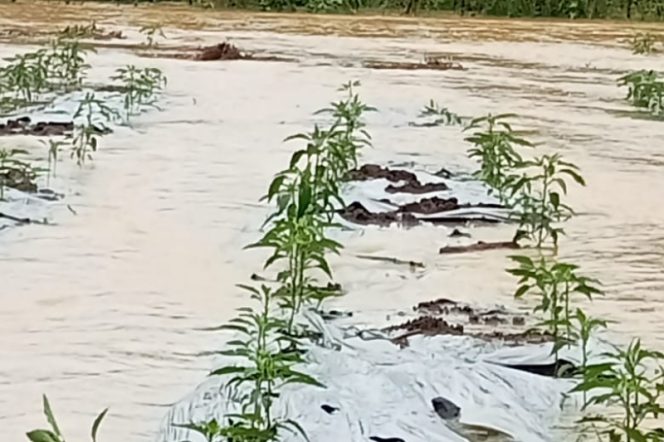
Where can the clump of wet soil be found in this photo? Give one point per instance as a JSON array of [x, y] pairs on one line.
[[410, 183], [25, 126], [447, 317]]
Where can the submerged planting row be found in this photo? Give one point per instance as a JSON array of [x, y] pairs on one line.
[[290, 372]]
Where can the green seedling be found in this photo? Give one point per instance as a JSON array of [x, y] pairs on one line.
[[54, 434], [645, 90], [632, 380]]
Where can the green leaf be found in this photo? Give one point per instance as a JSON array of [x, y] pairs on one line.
[[521, 291], [227, 370], [96, 423], [42, 436], [49, 416]]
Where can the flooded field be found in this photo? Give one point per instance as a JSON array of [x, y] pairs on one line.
[[107, 307]]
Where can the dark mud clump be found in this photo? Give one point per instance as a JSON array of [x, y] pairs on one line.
[[24, 126], [358, 214], [424, 325], [443, 306], [480, 246], [410, 182], [375, 172], [430, 63]]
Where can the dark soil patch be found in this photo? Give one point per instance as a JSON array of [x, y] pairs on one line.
[[19, 179], [480, 246], [433, 320], [430, 64], [24, 126]]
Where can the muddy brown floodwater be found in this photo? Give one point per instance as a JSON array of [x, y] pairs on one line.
[[107, 307]]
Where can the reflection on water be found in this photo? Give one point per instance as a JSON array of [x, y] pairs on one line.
[[105, 309]]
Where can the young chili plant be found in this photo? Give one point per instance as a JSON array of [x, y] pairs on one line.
[[269, 358], [495, 147], [633, 380], [536, 197], [555, 284], [54, 434]]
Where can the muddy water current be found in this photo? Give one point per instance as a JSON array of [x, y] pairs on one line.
[[107, 307]]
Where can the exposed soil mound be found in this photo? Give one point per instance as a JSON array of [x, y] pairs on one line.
[[358, 214], [221, 51], [375, 172]]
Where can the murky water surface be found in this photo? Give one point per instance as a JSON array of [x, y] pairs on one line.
[[105, 309]]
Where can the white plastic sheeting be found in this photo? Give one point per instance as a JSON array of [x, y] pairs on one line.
[[383, 391]]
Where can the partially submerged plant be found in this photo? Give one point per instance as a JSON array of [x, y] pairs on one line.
[[140, 87], [554, 283], [54, 434], [25, 75], [441, 114], [152, 32], [633, 380], [16, 173], [645, 90], [95, 115], [643, 43], [67, 67], [54, 148]]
